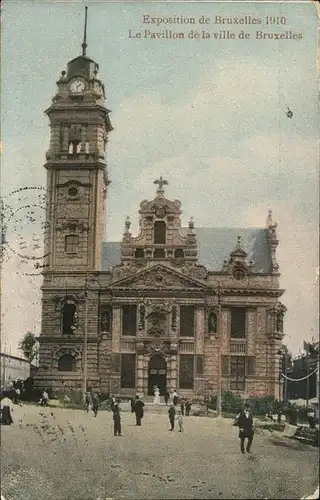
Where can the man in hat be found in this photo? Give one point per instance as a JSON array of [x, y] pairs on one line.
[[245, 422], [172, 414], [138, 410]]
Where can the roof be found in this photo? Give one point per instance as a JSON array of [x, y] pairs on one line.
[[24, 360], [214, 246]]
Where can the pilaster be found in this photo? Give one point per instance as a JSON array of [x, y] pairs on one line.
[[199, 339]]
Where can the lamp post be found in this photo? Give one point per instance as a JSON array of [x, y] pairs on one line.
[[85, 338], [219, 293]]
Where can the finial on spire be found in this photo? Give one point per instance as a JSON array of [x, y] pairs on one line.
[[238, 241], [269, 219], [161, 182], [84, 44]]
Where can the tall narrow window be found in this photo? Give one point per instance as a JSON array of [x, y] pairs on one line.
[[71, 243], [225, 372], [186, 371], [128, 371], [187, 318], [160, 232], [199, 365], [69, 318], [237, 373], [129, 320], [238, 322], [250, 368]]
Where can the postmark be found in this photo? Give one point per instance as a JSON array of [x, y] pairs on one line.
[[24, 229]]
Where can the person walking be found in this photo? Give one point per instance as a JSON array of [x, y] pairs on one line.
[[138, 410], [132, 404], [166, 397], [180, 421], [182, 407], [172, 414], [188, 408], [116, 420], [175, 397], [245, 422], [95, 403], [88, 401]]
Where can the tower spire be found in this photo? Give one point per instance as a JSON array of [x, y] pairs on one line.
[[84, 44]]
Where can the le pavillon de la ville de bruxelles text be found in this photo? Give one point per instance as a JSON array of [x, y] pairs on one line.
[[270, 28]]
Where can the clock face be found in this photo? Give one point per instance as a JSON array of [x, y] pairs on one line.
[[77, 86]]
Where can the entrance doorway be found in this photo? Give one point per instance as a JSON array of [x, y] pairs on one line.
[[157, 374]]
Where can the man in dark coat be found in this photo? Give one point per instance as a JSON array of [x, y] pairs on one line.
[[245, 422], [95, 403], [132, 404], [5, 413], [172, 414], [138, 410], [166, 397], [188, 408], [116, 420]]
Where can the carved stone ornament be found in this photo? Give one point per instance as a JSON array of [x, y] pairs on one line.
[[72, 225], [158, 325], [160, 212], [195, 271]]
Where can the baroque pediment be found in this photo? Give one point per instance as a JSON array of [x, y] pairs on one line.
[[159, 277]]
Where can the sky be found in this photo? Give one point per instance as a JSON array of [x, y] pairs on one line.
[[210, 115]]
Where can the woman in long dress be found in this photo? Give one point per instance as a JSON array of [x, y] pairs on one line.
[[156, 399]]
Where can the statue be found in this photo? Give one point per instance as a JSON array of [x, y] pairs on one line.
[[212, 323], [156, 392]]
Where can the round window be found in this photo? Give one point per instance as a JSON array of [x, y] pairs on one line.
[[72, 191], [238, 274]]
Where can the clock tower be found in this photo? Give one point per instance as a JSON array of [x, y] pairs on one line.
[[77, 176]]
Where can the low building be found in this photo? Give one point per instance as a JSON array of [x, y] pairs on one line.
[[13, 368]]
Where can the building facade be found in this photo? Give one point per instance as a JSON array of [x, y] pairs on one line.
[[192, 309], [13, 368]]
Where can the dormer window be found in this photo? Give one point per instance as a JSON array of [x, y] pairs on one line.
[[160, 232], [139, 253], [238, 273]]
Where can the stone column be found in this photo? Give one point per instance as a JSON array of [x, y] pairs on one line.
[[199, 339], [145, 373], [251, 327], [140, 374], [116, 329], [199, 350], [115, 349], [174, 380]]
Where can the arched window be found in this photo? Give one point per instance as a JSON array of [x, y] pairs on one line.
[[160, 232], [212, 323], [67, 363], [105, 321], [69, 318], [159, 253], [179, 253], [139, 253]]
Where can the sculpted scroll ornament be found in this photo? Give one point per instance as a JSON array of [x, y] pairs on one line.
[[195, 271]]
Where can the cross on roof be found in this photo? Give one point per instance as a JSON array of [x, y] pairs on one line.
[[161, 182]]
